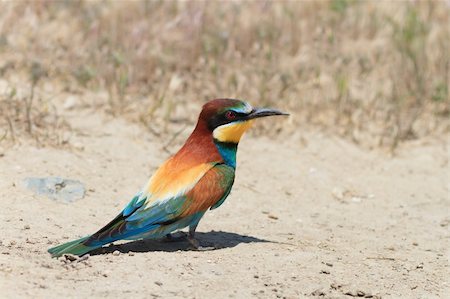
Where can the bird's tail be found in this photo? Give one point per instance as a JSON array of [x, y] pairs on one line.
[[76, 247]]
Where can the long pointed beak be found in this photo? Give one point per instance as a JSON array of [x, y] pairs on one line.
[[262, 112]]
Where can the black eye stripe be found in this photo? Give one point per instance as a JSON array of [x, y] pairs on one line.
[[222, 119]]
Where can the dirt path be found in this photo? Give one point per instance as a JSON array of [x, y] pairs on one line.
[[323, 218]]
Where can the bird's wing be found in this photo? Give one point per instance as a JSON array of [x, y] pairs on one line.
[[211, 190], [169, 197]]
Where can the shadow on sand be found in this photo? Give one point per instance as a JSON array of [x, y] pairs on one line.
[[216, 239]]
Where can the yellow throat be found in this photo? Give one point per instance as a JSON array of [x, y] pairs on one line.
[[232, 132]]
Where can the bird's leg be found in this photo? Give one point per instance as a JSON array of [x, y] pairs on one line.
[[194, 242]]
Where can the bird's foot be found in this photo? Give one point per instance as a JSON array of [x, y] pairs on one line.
[[195, 244], [176, 237]]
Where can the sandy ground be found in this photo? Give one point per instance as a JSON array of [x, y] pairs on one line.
[[308, 217]]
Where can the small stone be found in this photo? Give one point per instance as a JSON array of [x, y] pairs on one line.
[[338, 193], [116, 253], [26, 226], [335, 286], [83, 258], [360, 293], [351, 293], [70, 102], [324, 272], [158, 283], [255, 276], [70, 257], [272, 217], [318, 292], [415, 244], [356, 199], [329, 264], [56, 188], [131, 253]]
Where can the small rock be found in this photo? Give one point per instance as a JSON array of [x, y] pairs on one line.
[[335, 286], [70, 257], [318, 292], [360, 293], [415, 244], [324, 272], [70, 102], [83, 258], [272, 217], [158, 283], [255, 276], [116, 253], [131, 253], [338, 193], [29, 241], [26, 226], [56, 188], [356, 199], [329, 264], [351, 293]]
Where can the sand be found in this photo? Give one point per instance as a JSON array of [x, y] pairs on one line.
[[314, 216]]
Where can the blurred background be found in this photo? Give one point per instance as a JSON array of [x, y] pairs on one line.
[[376, 73]]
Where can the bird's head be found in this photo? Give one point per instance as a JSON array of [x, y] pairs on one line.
[[228, 119]]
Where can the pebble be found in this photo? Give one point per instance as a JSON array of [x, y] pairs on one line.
[[158, 283], [318, 292], [26, 226], [57, 188], [70, 257], [116, 253]]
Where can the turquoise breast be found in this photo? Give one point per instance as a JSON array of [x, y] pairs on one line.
[[228, 152]]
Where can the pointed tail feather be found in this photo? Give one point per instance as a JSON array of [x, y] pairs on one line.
[[76, 247]]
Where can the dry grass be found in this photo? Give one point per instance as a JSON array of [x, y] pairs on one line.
[[377, 73]]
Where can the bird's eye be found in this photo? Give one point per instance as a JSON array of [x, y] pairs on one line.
[[230, 115]]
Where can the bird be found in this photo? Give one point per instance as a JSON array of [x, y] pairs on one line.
[[197, 178]]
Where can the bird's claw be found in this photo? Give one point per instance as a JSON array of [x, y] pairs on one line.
[[195, 244], [179, 236]]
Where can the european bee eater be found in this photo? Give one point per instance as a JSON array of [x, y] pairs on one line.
[[197, 178]]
